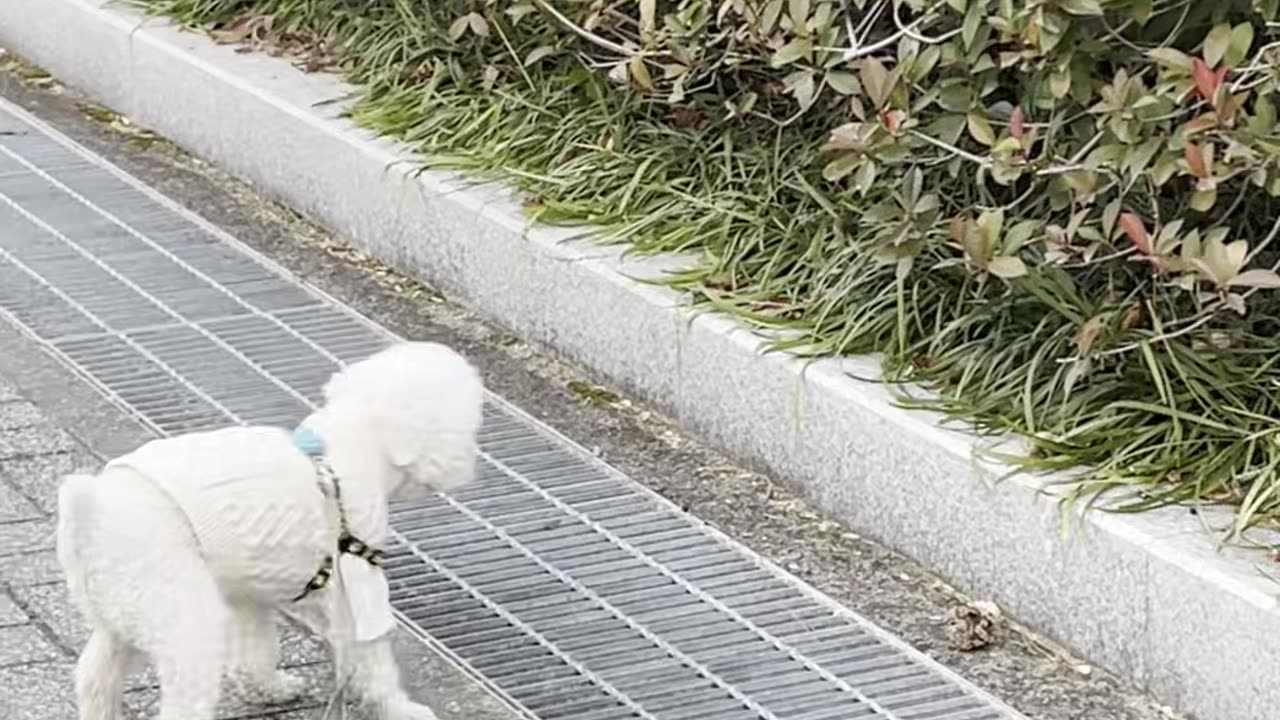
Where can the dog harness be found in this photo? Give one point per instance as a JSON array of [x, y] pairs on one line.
[[312, 445]]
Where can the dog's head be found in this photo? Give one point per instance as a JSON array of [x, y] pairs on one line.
[[422, 402]]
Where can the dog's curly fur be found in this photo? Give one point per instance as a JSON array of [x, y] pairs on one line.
[[138, 569]]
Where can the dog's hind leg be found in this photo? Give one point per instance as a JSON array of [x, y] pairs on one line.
[[191, 655], [99, 676], [255, 653]]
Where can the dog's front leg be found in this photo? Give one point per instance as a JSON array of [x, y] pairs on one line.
[[255, 655], [375, 678]]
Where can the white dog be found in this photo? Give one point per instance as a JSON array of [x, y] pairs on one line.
[[184, 549]]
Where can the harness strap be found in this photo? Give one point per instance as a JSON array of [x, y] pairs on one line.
[[312, 445]]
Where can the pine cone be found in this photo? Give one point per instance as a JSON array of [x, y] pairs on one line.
[[974, 626]]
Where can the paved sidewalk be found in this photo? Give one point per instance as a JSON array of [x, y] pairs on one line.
[[36, 631]]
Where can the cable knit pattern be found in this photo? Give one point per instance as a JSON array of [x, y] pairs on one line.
[[262, 522]]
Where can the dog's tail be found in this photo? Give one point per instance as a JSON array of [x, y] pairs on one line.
[[75, 505]]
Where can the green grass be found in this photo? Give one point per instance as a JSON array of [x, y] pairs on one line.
[[1176, 417]]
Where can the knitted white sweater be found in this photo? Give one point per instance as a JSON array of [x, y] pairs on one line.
[[255, 505]]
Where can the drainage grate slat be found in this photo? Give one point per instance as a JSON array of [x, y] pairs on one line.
[[575, 593]]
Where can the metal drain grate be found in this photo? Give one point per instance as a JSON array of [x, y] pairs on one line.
[[574, 592]]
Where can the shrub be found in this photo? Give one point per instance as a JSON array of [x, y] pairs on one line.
[[1059, 214]]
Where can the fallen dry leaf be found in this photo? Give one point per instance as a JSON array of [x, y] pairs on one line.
[[974, 625]]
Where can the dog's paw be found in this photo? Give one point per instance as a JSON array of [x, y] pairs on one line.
[[281, 688], [407, 710]]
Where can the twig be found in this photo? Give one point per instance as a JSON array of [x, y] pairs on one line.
[[984, 162], [909, 30], [856, 49], [588, 35], [1208, 316]]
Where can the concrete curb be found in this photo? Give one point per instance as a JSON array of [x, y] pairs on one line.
[[1148, 597]]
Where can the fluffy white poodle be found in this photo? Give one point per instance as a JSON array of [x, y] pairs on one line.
[[184, 549]]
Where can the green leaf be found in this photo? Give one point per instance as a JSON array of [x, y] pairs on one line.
[[1164, 169], [844, 83], [1020, 234], [925, 62], [515, 12], [956, 97], [903, 268], [1215, 44], [1203, 200], [802, 86], [1238, 45], [839, 168], [1137, 159], [1081, 7], [948, 128], [1256, 279], [459, 27], [640, 73], [1263, 121], [866, 177], [980, 129], [991, 226], [1142, 11], [769, 19], [537, 54], [1060, 82], [648, 19], [877, 81], [1006, 146], [799, 12], [490, 77], [1110, 214], [478, 24], [972, 23], [1007, 267], [796, 49], [1170, 57]]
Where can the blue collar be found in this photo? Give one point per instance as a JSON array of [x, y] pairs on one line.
[[308, 442]]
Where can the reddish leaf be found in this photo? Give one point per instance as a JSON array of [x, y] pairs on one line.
[[1195, 160], [1136, 231], [957, 229], [891, 120], [1207, 80], [1017, 120]]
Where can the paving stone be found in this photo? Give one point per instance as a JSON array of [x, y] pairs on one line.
[[25, 644], [8, 391], [39, 476], [40, 691], [27, 536], [10, 613], [14, 507], [51, 605], [143, 704], [36, 440], [32, 568], [15, 415]]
